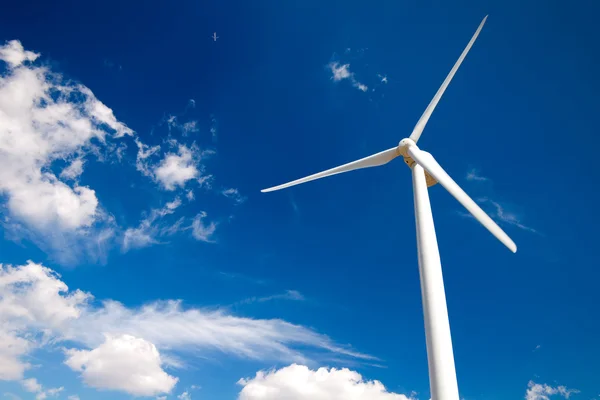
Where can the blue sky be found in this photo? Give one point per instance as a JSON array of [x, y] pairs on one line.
[[134, 148]]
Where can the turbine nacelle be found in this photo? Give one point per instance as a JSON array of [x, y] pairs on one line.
[[404, 144], [403, 149]]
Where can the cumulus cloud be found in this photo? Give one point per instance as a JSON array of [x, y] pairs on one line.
[[73, 170], [14, 54], [123, 363], [177, 168], [44, 119], [31, 296], [298, 382], [31, 385], [536, 391], [106, 338]]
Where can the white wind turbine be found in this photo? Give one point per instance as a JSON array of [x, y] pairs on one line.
[[427, 172]]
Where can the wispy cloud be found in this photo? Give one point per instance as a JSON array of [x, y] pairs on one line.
[[497, 210], [201, 230], [292, 295], [234, 194], [342, 71], [151, 229], [474, 175], [503, 215], [536, 391], [213, 127]]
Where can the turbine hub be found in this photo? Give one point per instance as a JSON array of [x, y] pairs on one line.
[[403, 146], [403, 151]]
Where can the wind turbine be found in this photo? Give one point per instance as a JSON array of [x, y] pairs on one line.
[[427, 172]]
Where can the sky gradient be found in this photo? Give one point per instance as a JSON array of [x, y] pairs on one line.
[[139, 258]]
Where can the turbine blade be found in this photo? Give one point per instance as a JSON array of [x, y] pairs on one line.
[[374, 160], [416, 133], [429, 163]]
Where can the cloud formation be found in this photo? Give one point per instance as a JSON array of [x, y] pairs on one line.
[[473, 175], [31, 385], [116, 347], [125, 363], [342, 71], [536, 391], [497, 211], [298, 382], [45, 120], [151, 228], [49, 128]]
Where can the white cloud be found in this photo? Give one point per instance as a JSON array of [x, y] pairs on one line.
[[31, 296], [536, 391], [73, 170], [201, 230], [185, 396], [44, 119], [177, 168], [12, 348], [106, 338], [14, 54], [189, 127], [142, 163], [504, 216], [234, 194], [293, 295], [360, 86], [76, 397], [473, 175], [341, 72], [500, 212], [190, 195], [151, 229], [31, 385], [298, 382], [185, 128], [124, 363]]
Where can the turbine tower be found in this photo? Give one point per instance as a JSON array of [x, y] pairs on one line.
[[427, 172]]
